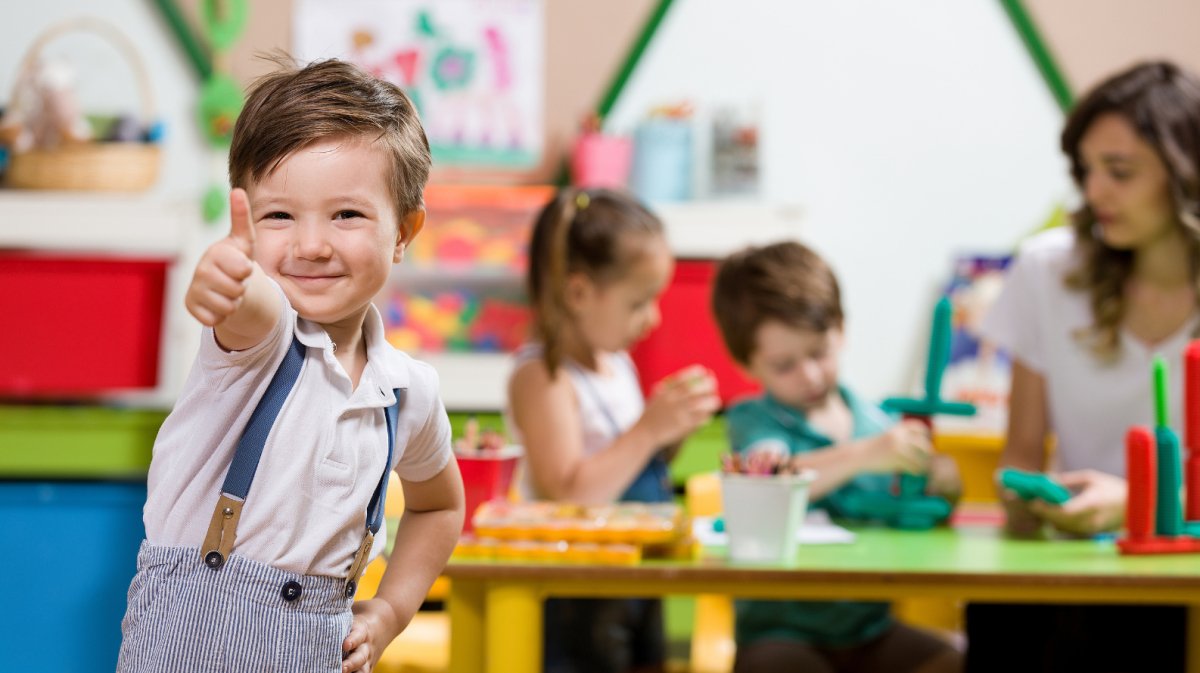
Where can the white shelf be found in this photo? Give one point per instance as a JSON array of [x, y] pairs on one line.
[[471, 381], [712, 229], [91, 222]]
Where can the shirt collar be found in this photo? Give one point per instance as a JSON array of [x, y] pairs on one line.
[[384, 372], [796, 420]]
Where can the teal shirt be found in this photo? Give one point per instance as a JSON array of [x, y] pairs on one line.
[[829, 623]]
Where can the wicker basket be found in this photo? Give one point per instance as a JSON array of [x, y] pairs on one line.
[[103, 166]]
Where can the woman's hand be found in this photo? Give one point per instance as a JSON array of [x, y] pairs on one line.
[[1098, 504]]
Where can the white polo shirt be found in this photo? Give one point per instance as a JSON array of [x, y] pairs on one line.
[[1091, 404], [306, 510]]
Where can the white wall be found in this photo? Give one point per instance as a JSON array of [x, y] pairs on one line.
[[907, 132]]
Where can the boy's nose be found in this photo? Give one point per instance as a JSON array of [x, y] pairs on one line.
[[810, 372], [311, 241]]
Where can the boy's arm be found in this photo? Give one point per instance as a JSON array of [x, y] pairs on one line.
[[229, 291], [904, 447], [428, 531]]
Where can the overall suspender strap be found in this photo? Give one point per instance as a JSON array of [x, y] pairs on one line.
[[222, 529], [378, 499]]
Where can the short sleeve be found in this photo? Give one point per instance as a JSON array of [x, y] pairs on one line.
[[1012, 321], [427, 449], [750, 426]]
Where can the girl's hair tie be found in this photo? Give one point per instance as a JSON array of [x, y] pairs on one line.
[[582, 200]]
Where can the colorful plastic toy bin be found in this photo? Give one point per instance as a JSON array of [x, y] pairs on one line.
[[80, 325], [69, 551], [486, 477], [461, 287]]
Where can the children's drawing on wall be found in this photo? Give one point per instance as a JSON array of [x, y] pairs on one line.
[[977, 371], [472, 67]]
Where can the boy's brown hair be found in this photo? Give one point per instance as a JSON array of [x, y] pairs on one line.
[[293, 107], [786, 282]]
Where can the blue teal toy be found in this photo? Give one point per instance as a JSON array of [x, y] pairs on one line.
[[910, 507], [1034, 485]]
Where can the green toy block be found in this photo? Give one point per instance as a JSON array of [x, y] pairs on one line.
[[1031, 485]]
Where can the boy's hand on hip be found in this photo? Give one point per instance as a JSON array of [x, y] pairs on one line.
[[219, 282], [373, 628]]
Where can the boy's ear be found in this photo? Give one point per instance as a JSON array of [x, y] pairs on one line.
[[410, 226]]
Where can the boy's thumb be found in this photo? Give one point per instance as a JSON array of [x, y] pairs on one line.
[[241, 226]]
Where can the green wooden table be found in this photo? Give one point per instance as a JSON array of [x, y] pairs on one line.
[[496, 606]]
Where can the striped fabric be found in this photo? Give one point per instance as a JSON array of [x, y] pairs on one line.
[[184, 616]]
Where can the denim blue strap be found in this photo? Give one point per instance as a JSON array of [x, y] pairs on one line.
[[379, 497], [254, 437]]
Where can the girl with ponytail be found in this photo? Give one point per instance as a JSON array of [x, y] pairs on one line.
[[598, 261]]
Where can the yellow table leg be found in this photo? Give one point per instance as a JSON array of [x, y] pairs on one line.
[[514, 629], [467, 617], [1193, 639]]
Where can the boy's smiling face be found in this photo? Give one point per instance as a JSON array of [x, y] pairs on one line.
[[798, 366], [327, 228]]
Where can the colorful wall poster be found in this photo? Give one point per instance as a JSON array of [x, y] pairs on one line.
[[978, 371], [474, 68]]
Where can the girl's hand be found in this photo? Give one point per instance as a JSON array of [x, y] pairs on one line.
[[679, 404], [1098, 504], [905, 447], [374, 626], [219, 283]]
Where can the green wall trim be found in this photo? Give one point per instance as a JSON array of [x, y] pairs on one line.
[[1042, 58], [198, 55], [631, 58]]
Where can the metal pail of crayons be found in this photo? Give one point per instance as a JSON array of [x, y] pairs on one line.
[[763, 512]]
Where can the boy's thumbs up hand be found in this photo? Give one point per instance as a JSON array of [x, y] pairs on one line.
[[241, 225], [220, 280]]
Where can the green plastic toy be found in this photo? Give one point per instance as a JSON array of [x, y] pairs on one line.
[[1034, 485], [911, 508], [905, 512]]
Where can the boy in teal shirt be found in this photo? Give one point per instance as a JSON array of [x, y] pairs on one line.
[[779, 311]]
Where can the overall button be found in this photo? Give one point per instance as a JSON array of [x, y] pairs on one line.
[[291, 590]]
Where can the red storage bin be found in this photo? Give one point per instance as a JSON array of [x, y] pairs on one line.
[[689, 335], [77, 326], [485, 478]]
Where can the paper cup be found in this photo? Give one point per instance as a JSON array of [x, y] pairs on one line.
[[763, 515]]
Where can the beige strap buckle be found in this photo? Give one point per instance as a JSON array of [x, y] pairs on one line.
[[360, 564], [222, 531]]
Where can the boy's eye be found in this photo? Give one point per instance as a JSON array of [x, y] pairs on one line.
[[347, 215], [783, 367], [277, 215]]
